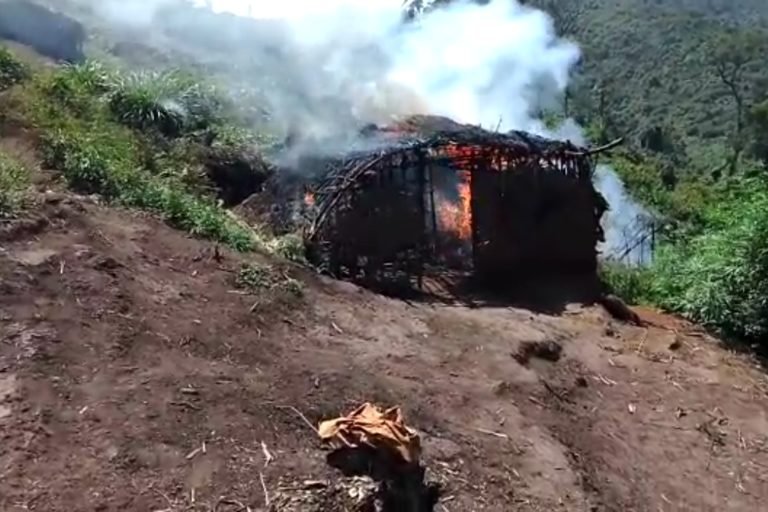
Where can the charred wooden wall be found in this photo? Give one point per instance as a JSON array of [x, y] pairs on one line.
[[529, 219], [375, 233], [530, 215]]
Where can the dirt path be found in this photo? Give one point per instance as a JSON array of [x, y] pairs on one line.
[[134, 376]]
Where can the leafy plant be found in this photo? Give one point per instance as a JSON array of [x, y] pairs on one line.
[[105, 160], [14, 179], [12, 71], [290, 247], [148, 101], [256, 276], [169, 102], [720, 276], [633, 284], [253, 276], [76, 85]]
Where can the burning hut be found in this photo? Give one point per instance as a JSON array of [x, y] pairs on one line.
[[430, 195]]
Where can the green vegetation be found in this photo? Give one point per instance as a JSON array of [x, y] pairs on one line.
[[716, 272], [14, 180], [254, 277], [171, 103], [290, 247], [684, 82], [117, 137], [12, 70], [720, 276]]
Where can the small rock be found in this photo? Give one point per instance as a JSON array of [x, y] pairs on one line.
[[546, 350], [501, 388]]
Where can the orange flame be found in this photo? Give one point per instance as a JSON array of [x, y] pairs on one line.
[[456, 217]]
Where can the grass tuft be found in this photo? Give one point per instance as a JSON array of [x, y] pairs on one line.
[[12, 70], [14, 181]]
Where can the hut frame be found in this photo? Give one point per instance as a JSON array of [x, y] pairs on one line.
[[373, 215]]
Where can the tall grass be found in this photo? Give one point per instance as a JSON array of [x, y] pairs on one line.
[[107, 163], [719, 277], [169, 102], [12, 71], [86, 136], [14, 180], [716, 274]]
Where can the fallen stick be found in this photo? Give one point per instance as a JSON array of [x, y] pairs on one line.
[[264, 488], [268, 457], [299, 413], [492, 433]]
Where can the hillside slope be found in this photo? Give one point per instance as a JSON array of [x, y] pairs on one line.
[[135, 375], [647, 59]]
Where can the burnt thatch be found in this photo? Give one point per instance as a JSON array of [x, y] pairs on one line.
[[50, 33], [236, 172], [530, 204]]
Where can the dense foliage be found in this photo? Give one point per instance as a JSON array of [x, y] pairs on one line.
[[685, 82], [12, 71], [14, 179], [120, 149]]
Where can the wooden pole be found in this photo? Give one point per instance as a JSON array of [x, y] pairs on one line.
[[421, 170]]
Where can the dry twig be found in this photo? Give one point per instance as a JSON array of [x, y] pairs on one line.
[[300, 415], [264, 488], [227, 501], [268, 457], [492, 433]]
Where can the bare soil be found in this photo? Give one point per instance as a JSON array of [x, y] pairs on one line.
[[135, 376]]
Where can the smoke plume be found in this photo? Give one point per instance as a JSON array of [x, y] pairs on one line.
[[325, 68], [328, 65], [628, 226]]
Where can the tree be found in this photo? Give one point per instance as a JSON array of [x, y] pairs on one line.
[[730, 56], [757, 122], [603, 126], [565, 14]]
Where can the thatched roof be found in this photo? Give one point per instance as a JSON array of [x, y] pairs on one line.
[[417, 134], [427, 130]]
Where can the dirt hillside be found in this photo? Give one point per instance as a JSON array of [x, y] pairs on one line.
[[135, 376]]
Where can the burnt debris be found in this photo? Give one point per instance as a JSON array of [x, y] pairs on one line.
[[429, 194]]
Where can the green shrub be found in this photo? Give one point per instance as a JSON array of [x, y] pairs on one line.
[[14, 179], [719, 277], [105, 161], [290, 247], [77, 85], [93, 161], [12, 71], [253, 276], [633, 284], [74, 110], [169, 102], [144, 102]]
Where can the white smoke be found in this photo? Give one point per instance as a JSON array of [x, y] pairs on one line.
[[353, 60], [327, 66], [628, 226]]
